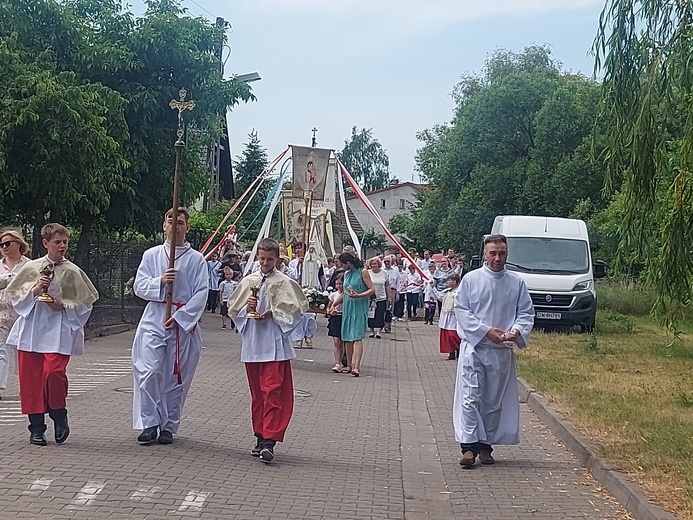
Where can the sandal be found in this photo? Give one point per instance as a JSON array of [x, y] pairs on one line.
[[371, 335], [346, 370], [377, 336], [355, 372]]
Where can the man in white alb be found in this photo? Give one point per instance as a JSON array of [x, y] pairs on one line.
[[494, 312], [163, 346]]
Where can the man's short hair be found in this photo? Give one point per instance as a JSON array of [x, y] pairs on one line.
[[455, 277], [269, 245], [50, 230], [496, 239], [181, 211]]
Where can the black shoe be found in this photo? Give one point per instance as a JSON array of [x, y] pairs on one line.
[[267, 451], [37, 427], [255, 451], [148, 435], [62, 430], [451, 357], [165, 437], [38, 439]]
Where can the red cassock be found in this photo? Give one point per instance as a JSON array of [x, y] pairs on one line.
[[449, 341]]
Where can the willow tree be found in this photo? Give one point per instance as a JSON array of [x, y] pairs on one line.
[[643, 50]]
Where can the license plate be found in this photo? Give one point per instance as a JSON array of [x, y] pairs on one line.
[[549, 315]]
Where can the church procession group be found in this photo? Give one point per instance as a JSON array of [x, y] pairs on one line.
[[45, 304]]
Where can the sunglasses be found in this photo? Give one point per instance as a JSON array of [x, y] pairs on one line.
[[6, 244]]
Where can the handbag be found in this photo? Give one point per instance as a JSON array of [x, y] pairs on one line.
[[371, 312]]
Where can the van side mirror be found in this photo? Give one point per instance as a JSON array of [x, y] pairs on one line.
[[599, 269], [476, 262]]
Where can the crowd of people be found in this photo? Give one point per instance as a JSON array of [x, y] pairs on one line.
[[45, 304]]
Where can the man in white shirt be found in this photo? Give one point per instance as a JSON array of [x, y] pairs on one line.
[[213, 267], [389, 263], [494, 312]]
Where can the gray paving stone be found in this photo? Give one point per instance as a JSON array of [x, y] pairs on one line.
[[378, 446]]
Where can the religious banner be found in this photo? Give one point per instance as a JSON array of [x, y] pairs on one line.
[[310, 167]]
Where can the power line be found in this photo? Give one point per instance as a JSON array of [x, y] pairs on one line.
[[205, 10]]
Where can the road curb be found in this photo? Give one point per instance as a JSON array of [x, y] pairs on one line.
[[108, 330], [630, 494]]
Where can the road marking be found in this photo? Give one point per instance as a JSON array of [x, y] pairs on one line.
[[88, 493], [38, 486], [193, 502], [145, 493]]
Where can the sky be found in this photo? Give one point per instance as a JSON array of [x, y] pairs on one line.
[[389, 65]]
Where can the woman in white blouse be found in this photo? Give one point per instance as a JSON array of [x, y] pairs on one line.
[[381, 283], [13, 248]]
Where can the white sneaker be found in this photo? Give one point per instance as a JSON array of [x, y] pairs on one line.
[[298, 343], [309, 342], [337, 368]]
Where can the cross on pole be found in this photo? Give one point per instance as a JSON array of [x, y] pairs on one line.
[[315, 131], [181, 105]]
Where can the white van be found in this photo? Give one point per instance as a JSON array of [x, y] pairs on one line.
[[553, 257]]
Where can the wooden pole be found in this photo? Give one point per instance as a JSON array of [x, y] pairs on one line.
[[181, 105]]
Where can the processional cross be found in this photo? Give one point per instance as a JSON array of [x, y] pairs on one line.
[[315, 131], [181, 105]]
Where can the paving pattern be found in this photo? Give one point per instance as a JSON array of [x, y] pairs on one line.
[[378, 446]]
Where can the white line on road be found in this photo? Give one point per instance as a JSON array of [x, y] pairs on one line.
[[193, 502], [88, 493], [38, 486], [145, 493]]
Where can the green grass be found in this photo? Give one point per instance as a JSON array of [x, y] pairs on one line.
[[628, 389]]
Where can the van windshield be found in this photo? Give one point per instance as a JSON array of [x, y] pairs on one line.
[[547, 255]]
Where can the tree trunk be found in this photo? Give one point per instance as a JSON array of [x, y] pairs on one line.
[[37, 248], [83, 243]]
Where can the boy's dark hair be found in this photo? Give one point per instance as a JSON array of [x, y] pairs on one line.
[[181, 211], [455, 277], [50, 230], [270, 245]]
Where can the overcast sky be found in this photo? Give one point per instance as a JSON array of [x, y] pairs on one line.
[[389, 65]]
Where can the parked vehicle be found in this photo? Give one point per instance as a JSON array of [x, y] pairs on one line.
[[553, 257]]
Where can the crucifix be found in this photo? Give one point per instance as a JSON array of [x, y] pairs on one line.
[[181, 105], [315, 131]]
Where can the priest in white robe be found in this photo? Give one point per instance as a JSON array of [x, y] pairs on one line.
[[161, 345], [303, 333], [494, 313], [265, 345]]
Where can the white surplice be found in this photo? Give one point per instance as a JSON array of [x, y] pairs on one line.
[[265, 340], [158, 398], [42, 329], [486, 406]]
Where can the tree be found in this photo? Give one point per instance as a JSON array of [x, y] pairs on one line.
[[365, 159], [251, 164], [107, 155], [520, 142], [643, 49]]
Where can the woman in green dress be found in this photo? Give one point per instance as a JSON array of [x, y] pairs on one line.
[[358, 289]]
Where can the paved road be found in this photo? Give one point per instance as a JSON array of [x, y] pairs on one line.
[[379, 446]]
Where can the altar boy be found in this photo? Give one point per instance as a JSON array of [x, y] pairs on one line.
[[266, 347], [53, 298]]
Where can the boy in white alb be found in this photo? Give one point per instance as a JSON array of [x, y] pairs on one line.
[[162, 347], [265, 345], [53, 298]]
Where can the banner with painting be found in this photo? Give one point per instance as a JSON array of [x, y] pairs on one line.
[[310, 169]]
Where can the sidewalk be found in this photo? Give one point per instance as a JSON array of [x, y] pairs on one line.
[[378, 446]]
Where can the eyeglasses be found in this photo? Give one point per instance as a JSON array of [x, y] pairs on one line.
[[6, 244]]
